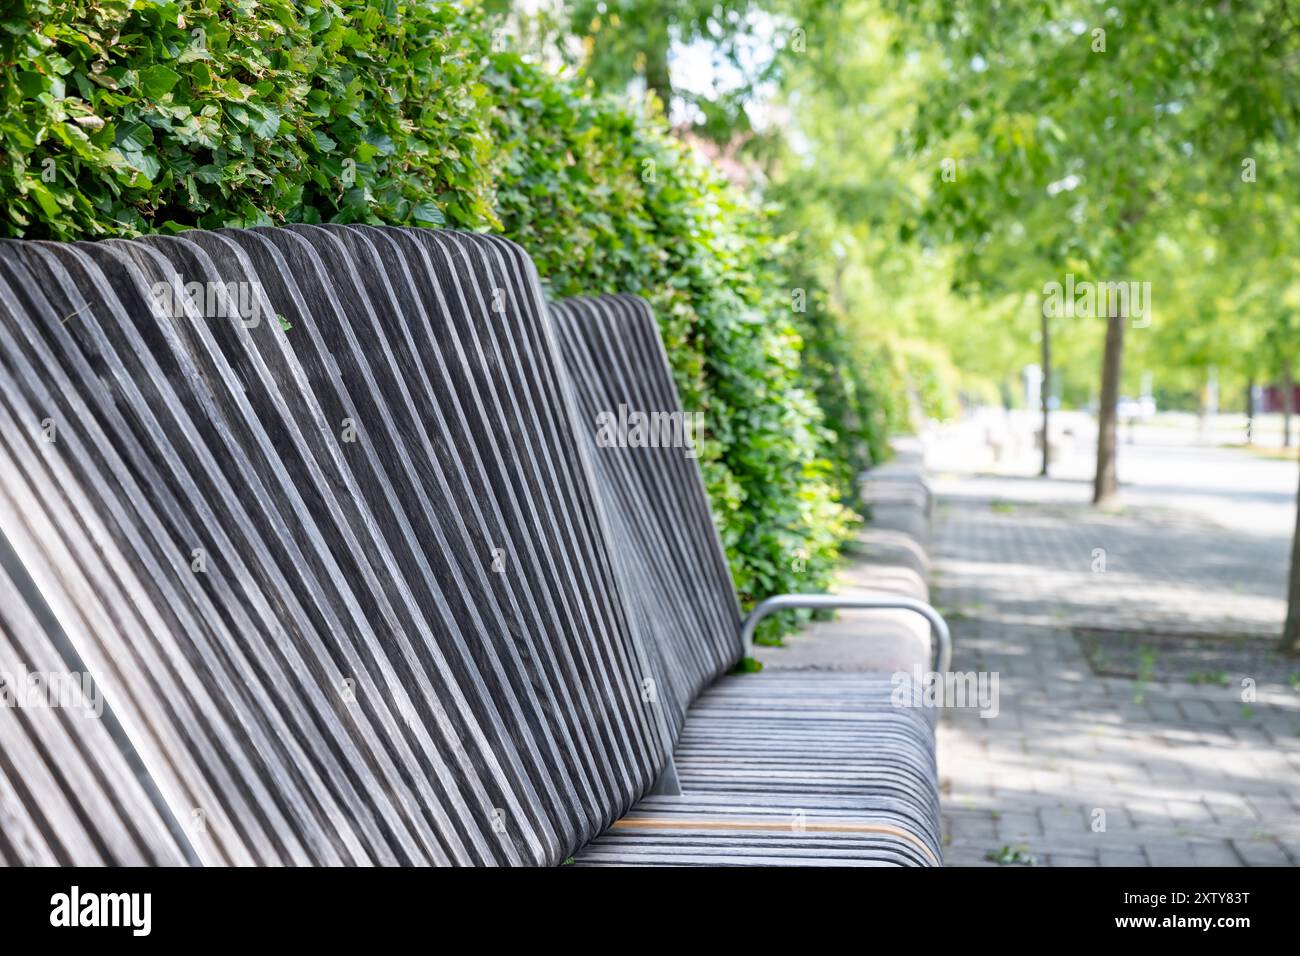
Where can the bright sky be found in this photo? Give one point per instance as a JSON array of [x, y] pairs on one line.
[[701, 68]]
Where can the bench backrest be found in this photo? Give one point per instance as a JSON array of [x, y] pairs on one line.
[[341, 573], [676, 576]]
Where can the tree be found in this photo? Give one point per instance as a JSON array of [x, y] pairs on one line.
[[1084, 131], [853, 197], [625, 39], [1290, 643], [1285, 335], [1047, 394], [946, 163]]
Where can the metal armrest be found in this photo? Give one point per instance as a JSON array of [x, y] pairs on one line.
[[942, 640]]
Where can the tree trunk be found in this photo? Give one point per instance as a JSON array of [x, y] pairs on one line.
[[1250, 411], [1288, 402], [1203, 412], [658, 78], [1046, 393], [1105, 485], [1291, 630]]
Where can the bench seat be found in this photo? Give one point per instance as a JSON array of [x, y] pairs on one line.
[[745, 830], [765, 746]]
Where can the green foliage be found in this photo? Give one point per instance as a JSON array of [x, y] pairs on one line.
[[853, 393], [1012, 856], [856, 383], [606, 201], [121, 117], [1109, 142], [930, 374], [851, 197]]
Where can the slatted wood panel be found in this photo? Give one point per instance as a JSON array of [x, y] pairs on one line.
[[792, 768], [68, 794], [407, 642], [678, 583], [784, 830]]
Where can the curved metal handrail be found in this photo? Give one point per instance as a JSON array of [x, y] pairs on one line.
[[780, 602]]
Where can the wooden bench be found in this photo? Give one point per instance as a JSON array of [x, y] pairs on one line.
[[320, 512]]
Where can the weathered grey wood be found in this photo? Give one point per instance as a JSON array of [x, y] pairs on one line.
[[350, 679], [795, 741], [43, 806], [741, 830], [677, 580]]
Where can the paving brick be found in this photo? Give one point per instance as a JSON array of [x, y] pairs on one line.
[[1061, 820], [1231, 808], [1018, 827], [1215, 855], [1292, 849], [971, 826], [1166, 855], [1261, 853], [1121, 858], [1189, 811], [1272, 809]]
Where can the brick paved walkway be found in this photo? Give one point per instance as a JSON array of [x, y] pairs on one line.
[[1184, 774]]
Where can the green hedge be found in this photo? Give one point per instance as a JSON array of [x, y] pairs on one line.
[[131, 117], [122, 116], [857, 385], [608, 201]]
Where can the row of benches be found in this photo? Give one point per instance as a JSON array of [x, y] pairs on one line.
[[358, 584]]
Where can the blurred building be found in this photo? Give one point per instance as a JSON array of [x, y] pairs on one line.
[[1271, 399]]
